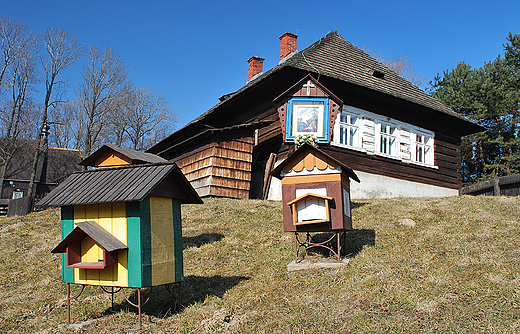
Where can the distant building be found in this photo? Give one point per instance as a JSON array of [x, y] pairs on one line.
[[59, 164]]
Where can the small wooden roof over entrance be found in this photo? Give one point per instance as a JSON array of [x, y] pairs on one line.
[[96, 232], [123, 184], [310, 157]]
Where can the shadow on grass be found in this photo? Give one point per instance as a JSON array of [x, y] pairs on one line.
[[354, 242], [355, 205], [194, 289], [202, 239]]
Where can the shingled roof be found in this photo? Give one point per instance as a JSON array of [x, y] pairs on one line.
[[123, 184], [335, 57]]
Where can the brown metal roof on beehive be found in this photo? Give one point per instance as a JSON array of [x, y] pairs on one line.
[[122, 184], [135, 157]]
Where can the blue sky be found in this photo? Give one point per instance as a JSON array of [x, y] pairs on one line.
[[193, 52]]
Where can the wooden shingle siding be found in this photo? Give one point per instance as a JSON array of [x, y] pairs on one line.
[[221, 168]]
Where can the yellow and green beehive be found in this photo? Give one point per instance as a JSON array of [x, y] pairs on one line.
[[122, 226]]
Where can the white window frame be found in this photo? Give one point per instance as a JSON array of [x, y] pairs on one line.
[[387, 140], [349, 129], [372, 130], [423, 149]]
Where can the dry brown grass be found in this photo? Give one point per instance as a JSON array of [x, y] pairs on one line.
[[456, 270]]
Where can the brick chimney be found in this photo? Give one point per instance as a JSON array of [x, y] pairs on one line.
[[287, 44], [256, 66]]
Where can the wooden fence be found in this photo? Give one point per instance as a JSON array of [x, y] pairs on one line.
[[502, 186], [20, 206]]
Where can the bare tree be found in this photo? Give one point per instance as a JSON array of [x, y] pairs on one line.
[[100, 95], [15, 40], [17, 76], [64, 126], [401, 65], [59, 51], [146, 113]]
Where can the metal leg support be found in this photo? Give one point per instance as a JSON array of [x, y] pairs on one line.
[[327, 244]]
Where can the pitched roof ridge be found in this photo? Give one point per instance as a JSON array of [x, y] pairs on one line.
[[154, 164]]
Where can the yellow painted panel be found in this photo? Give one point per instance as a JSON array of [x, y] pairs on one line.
[[121, 270], [112, 217], [79, 213], [90, 252], [106, 276], [112, 159], [119, 221], [92, 212], [163, 256], [105, 216]]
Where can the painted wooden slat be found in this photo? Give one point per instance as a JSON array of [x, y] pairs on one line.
[[95, 252], [177, 240], [313, 179], [119, 230], [67, 225], [134, 244], [146, 251], [162, 241]]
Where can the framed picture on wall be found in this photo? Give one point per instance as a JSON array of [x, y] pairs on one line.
[[307, 116]]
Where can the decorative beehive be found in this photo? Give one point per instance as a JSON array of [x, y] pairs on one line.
[[121, 222], [315, 192], [121, 227]]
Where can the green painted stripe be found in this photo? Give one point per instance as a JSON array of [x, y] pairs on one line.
[[177, 240], [146, 243], [67, 225], [133, 233]]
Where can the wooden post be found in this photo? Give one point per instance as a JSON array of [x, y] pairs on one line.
[[68, 303], [139, 308]]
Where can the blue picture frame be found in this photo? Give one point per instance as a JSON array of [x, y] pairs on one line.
[[307, 115]]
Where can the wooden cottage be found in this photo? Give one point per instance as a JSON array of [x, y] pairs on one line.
[[399, 140], [122, 226]]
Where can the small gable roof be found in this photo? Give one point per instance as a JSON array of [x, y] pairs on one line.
[[304, 150], [123, 184], [136, 157], [92, 229], [297, 86]]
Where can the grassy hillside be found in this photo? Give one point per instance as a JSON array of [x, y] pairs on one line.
[[457, 270]]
